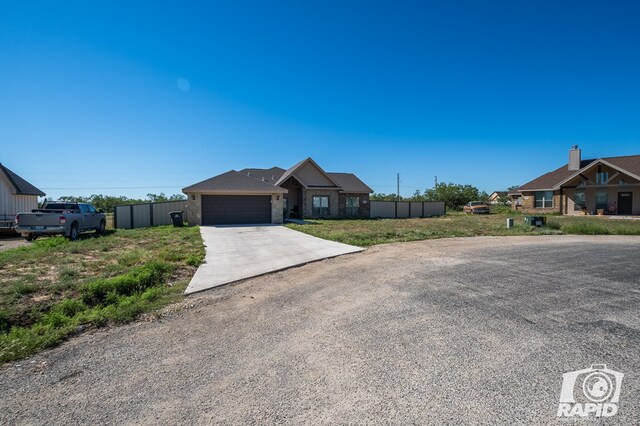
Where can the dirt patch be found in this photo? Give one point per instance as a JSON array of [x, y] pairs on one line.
[[9, 242]]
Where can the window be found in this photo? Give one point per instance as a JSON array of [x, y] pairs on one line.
[[353, 206], [544, 199], [579, 201], [91, 209], [602, 178], [602, 200], [320, 206]]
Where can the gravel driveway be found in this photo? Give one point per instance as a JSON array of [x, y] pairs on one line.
[[476, 330], [11, 241]]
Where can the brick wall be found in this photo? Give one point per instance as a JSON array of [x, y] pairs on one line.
[[363, 210], [529, 203]]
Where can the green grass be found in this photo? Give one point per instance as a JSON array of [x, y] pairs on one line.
[[365, 233], [54, 288]]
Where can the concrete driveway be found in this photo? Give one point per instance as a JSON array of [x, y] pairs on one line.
[[235, 253]]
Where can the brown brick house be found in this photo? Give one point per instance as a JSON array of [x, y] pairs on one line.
[[597, 186], [272, 195]]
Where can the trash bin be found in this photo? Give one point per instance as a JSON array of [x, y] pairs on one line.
[[176, 218]]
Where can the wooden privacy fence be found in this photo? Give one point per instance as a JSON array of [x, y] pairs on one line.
[[406, 209], [145, 215]]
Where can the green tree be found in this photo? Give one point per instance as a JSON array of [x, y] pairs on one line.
[[454, 195]]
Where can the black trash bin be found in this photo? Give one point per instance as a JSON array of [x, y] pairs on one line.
[[176, 218]]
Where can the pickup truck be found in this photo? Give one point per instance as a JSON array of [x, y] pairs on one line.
[[60, 218]]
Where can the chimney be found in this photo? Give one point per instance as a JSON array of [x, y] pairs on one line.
[[575, 158]]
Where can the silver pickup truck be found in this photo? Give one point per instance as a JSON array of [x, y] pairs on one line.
[[62, 218]]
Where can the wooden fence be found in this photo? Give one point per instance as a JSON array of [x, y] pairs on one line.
[[145, 215], [406, 209]]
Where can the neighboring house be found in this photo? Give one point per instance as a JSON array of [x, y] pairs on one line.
[[273, 195], [496, 197], [16, 195], [601, 186]]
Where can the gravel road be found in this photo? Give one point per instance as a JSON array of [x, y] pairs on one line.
[[458, 331]]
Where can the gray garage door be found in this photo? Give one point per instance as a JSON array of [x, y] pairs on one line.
[[235, 209]]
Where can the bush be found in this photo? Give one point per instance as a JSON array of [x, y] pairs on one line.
[[553, 225]]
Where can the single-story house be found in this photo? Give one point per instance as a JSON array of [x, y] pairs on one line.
[[598, 186], [16, 195], [272, 195]]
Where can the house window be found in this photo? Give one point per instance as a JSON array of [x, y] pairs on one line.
[[602, 200], [579, 201], [353, 206], [602, 178], [544, 199], [320, 206]]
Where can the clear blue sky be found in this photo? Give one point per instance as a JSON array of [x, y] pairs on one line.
[[151, 97]]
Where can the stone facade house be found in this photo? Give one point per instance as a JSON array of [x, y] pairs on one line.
[[252, 196], [605, 186]]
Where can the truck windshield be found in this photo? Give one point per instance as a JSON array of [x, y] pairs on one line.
[[61, 206]]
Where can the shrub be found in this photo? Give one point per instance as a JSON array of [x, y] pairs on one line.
[[554, 225]]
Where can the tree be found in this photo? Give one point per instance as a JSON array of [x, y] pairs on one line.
[[161, 198], [383, 197], [454, 195]]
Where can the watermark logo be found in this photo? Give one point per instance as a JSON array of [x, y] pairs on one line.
[[591, 392]]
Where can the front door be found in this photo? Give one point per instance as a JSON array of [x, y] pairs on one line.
[[625, 203]]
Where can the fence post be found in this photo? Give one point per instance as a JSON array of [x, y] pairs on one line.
[[422, 209], [150, 214], [396, 215], [115, 217], [131, 210]]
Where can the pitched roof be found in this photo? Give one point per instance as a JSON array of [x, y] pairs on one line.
[[269, 175], [349, 182], [21, 186], [287, 174], [551, 180], [233, 181]]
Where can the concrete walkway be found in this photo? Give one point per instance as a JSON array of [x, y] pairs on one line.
[[238, 252]]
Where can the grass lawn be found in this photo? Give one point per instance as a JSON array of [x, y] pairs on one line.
[[54, 288], [366, 233]]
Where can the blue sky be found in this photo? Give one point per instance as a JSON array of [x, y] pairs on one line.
[[136, 97]]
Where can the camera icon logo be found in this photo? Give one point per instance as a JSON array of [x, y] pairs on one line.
[[594, 391]]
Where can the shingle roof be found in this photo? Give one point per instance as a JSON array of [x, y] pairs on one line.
[[233, 181], [269, 175], [268, 181], [552, 179], [21, 186], [350, 182]]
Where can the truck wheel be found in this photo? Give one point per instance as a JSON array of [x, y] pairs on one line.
[[101, 228], [73, 233]]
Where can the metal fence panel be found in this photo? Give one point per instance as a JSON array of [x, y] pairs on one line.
[[403, 210], [416, 209], [382, 209], [161, 212], [434, 208], [145, 215]]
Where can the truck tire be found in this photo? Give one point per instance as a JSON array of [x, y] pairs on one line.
[[102, 227], [73, 232]]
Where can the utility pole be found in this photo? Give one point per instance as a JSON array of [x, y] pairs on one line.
[[398, 193], [436, 187]]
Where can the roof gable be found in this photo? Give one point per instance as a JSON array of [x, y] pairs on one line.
[[20, 186], [309, 173]]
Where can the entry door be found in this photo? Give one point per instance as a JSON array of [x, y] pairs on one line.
[[625, 203]]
